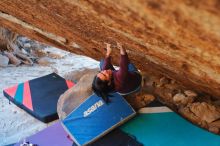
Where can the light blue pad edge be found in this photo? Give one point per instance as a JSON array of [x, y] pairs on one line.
[[168, 129]]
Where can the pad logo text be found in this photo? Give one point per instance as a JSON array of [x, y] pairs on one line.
[[93, 108]]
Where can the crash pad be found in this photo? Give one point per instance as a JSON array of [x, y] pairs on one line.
[[160, 126], [94, 118], [39, 96], [54, 135]]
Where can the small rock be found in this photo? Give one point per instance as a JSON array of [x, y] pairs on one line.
[[39, 53], [185, 111], [13, 59], [55, 70], [75, 45], [3, 61], [173, 87], [137, 101], [169, 95], [54, 55], [24, 51], [14, 111], [203, 124], [148, 98], [143, 104], [214, 129], [215, 124], [27, 45], [44, 61], [181, 99], [149, 83], [24, 58], [206, 112], [22, 39], [190, 93]]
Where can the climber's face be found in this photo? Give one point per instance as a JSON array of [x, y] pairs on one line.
[[105, 75]]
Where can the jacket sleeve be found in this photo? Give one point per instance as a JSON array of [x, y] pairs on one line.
[[107, 64], [123, 68]]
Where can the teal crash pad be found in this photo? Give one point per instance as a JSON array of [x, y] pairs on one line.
[[168, 129]]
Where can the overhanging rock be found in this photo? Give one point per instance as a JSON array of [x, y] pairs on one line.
[[179, 39]]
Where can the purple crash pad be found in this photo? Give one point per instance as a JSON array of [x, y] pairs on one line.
[[52, 136]]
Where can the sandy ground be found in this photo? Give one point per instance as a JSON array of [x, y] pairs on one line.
[[15, 124]]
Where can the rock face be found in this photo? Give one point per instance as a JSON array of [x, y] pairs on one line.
[[179, 39], [73, 97]]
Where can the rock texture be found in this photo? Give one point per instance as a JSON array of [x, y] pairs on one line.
[[181, 99], [206, 112], [179, 39], [73, 97]]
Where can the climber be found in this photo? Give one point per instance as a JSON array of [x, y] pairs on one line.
[[125, 81]]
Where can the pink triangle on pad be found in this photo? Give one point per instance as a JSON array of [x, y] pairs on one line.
[[69, 83], [11, 91], [27, 100]]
